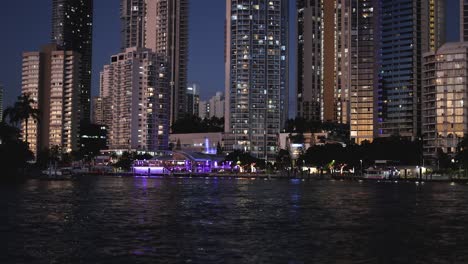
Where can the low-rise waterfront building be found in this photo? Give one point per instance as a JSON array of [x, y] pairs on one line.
[[181, 162]]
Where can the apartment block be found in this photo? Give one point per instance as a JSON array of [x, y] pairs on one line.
[[256, 75], [52, 78], [445, 99], [137, 84]]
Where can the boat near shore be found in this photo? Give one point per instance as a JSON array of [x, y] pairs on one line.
[[54, 173]]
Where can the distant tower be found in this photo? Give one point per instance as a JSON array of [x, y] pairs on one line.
[[256, 75], [193, 99], [360, 55], [162, 26], [72, 30]]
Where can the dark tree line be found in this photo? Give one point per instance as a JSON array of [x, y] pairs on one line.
[[14, 151], [300, 125], [396, 149], [194, 124]]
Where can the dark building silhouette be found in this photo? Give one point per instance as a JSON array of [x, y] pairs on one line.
[[72, 30]]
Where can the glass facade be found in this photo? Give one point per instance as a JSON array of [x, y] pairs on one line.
[[363, 59], [257, 75], [401, 47], [408, 29], [444, 99]]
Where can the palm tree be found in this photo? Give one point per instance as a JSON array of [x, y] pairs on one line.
[[22, 111]]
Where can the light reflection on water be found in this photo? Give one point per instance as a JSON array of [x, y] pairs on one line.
[[143, 220]]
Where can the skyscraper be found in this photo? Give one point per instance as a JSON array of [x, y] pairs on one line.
[[321, 91], [444, 99], [72, 30], [360, 55], [463, 20], [137, 84], [52, 79], [204, 109], [162, 26], [407, 29], [256, 75], [309, 59]]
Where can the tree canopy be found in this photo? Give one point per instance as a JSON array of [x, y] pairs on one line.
[[300, 125], [194, 124], [399, 150]]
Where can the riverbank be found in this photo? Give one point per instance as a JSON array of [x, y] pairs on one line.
[[280, 176]]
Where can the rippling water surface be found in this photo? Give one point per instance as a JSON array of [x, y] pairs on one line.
[[136, 220]]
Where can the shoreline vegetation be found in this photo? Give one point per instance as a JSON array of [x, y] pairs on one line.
[[16, 158]]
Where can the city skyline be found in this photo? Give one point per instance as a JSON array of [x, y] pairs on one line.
[[30, 36]]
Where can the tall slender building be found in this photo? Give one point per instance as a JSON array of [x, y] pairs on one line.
[[52, 79], [72, 30], [309, 59], [137, 86], [361, 59], [408, 29], [463, 20], [256, 75], [162, 26], [321, 89]]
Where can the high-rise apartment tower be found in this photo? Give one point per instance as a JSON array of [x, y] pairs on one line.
[[162, 26], [256, 75], [52, 79], [72, 30], [137, 86]]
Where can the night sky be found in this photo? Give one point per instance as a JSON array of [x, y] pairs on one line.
[[25, 26]]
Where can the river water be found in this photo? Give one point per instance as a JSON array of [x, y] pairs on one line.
[[137, 220]]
